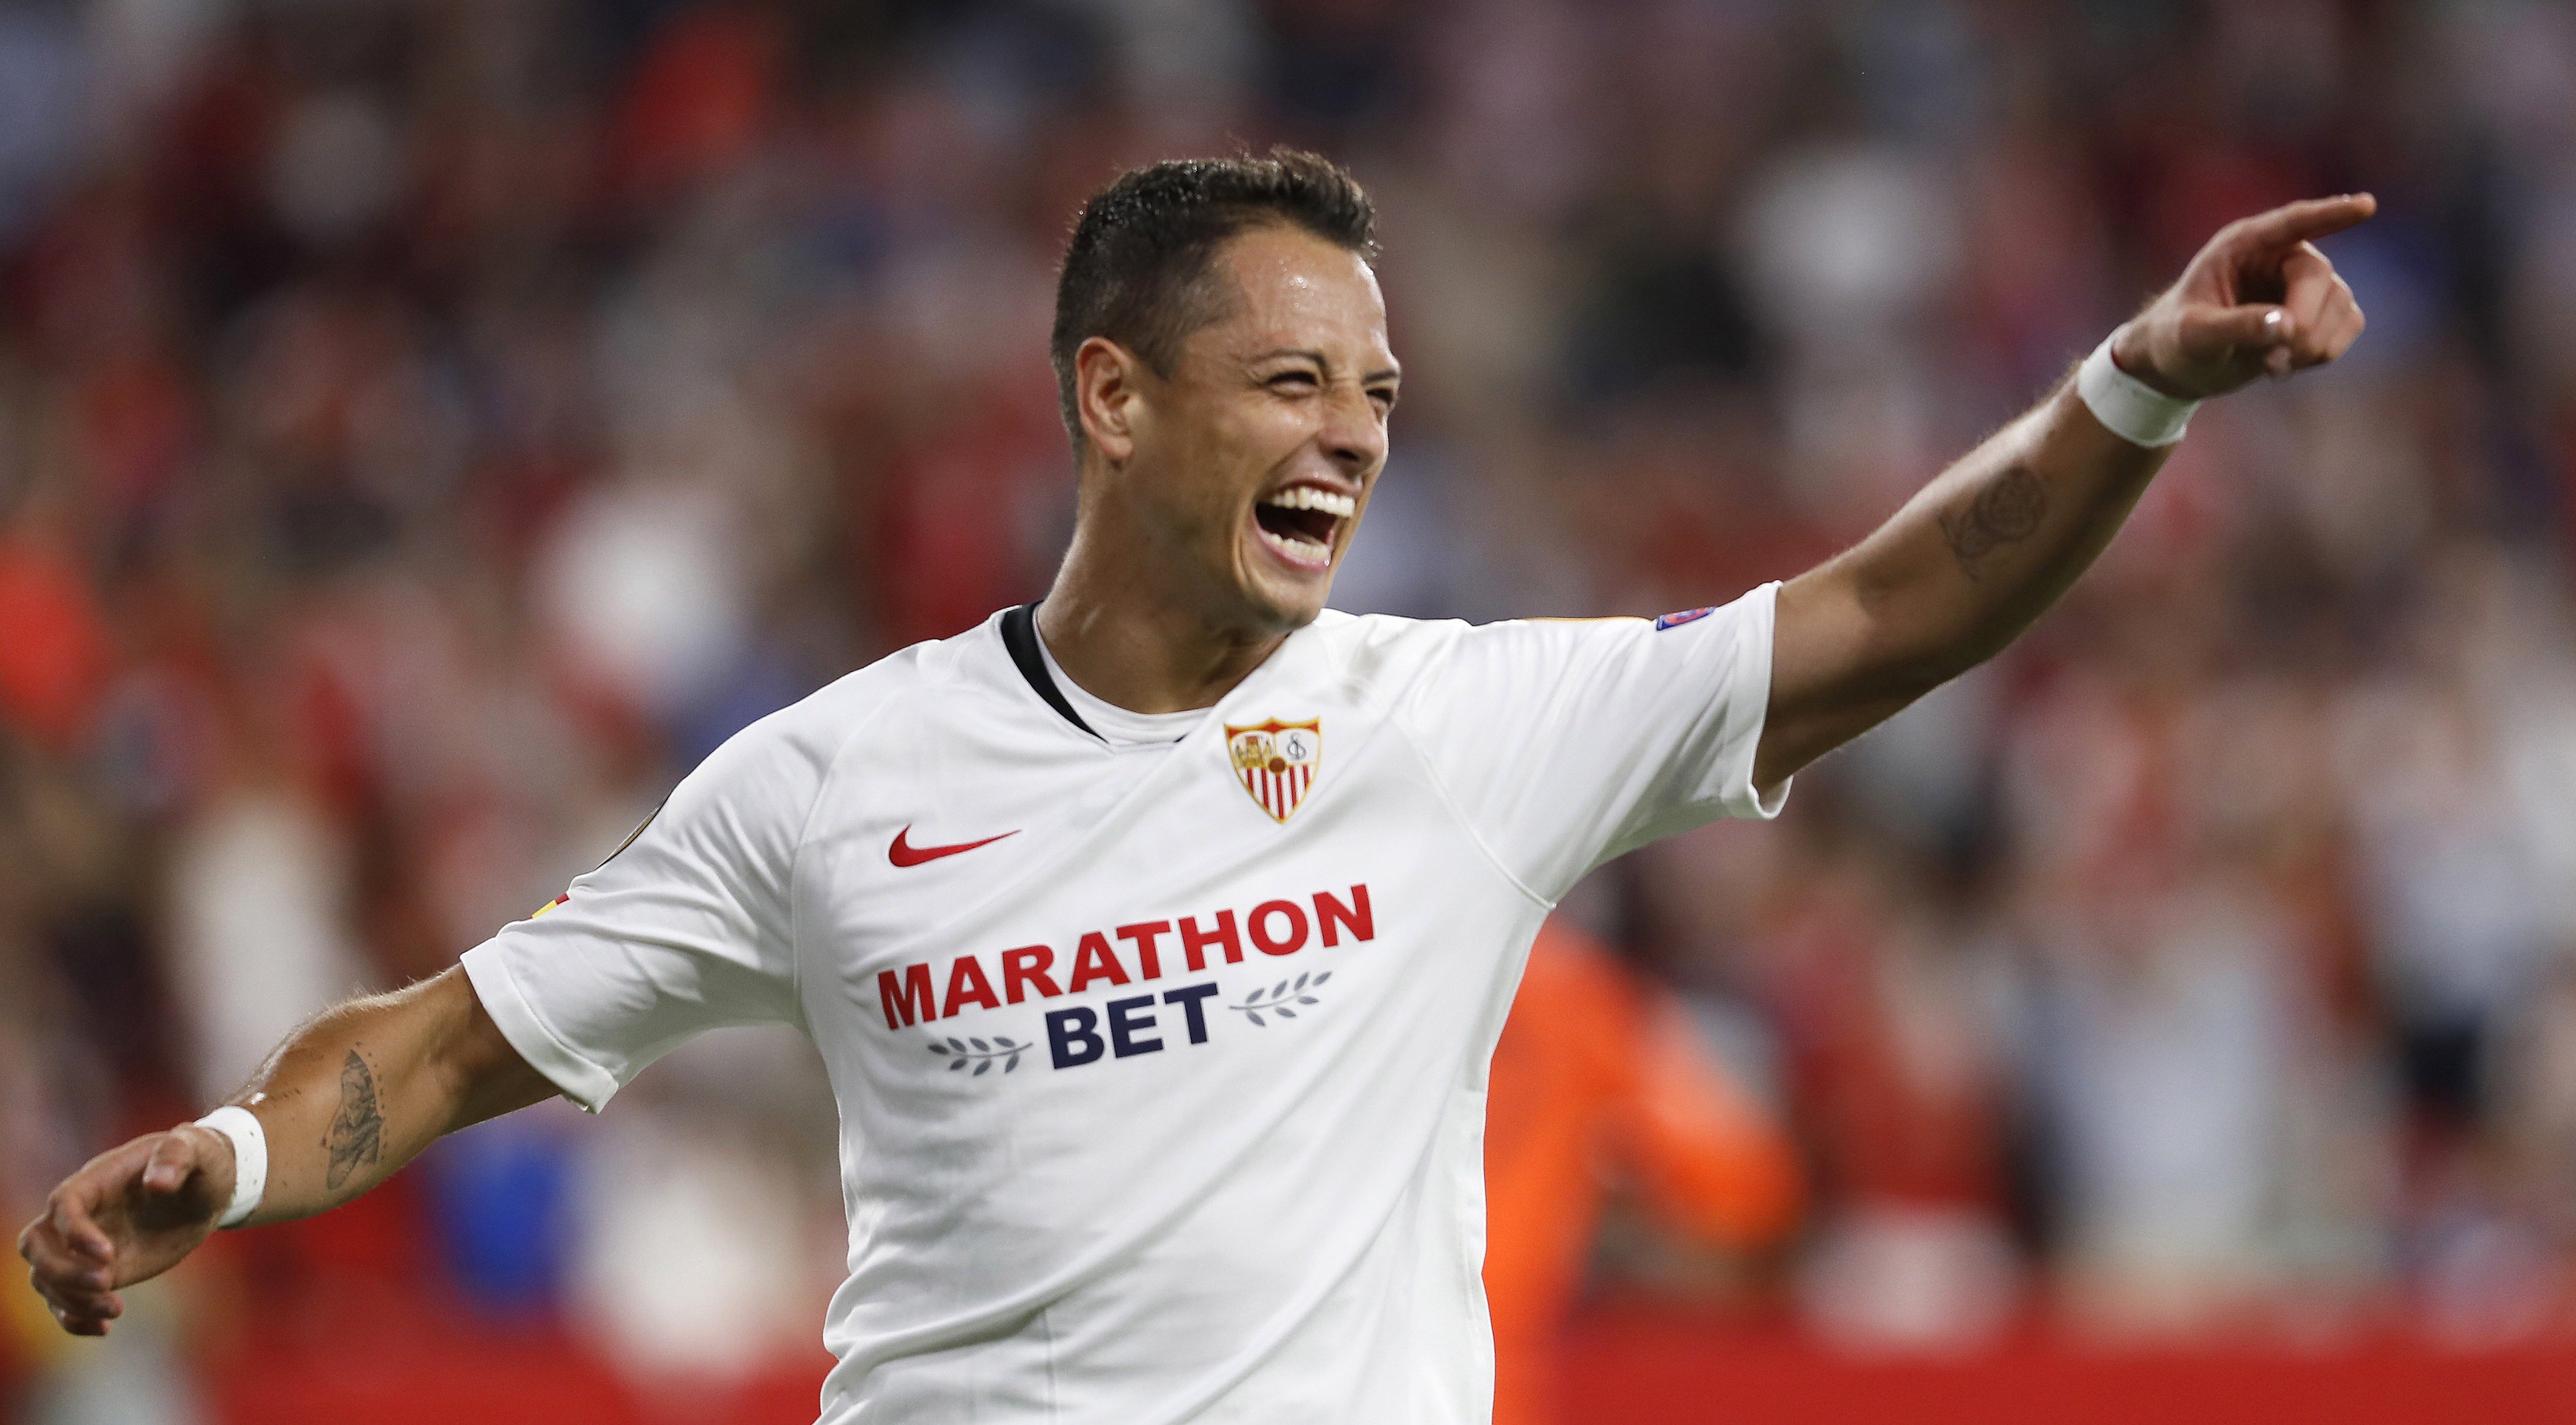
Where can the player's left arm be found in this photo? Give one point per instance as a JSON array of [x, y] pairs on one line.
[[1976, 555]]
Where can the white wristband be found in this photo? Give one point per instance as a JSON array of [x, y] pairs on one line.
[[2126, 406], [250, 1160]]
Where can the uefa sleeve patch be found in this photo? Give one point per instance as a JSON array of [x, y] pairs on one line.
[[1685, 616]]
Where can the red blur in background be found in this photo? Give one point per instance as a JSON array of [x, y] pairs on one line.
[[428, 429]]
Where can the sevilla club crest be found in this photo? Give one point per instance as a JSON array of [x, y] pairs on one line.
[[1276, 761]]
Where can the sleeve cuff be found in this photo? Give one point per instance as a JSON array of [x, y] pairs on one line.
[[582, 1081], [1743, 799]]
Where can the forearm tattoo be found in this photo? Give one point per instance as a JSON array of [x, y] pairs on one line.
[[357, 1134], [2005, 512]]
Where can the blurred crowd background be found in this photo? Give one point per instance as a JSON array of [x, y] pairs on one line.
[[426, 429]]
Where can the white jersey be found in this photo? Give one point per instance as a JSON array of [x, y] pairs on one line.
[[1161, 1066]]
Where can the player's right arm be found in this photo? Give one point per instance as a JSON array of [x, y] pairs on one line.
[[345, 1101], [683, 929]]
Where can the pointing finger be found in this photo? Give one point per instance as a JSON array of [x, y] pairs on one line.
[[2308, 219]]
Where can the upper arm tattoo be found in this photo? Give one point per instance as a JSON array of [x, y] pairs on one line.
[[2006, 511], [357, 1135]]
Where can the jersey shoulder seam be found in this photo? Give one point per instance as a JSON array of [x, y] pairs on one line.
[[1396, 711]]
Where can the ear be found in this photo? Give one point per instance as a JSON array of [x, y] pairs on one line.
[[1109, 396]]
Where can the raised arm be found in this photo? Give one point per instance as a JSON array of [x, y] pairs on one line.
[[1976, 555], [352, 1096]]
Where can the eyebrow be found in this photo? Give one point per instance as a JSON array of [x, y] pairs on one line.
[[1390, 373]]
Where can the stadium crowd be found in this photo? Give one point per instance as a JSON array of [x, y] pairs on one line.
[[426, 430]]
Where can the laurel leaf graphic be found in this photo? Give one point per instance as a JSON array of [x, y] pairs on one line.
[[1301, 982], [1255, 1016], [956, 1064], [1013, 1063], [957, 1046], [1319, 979], [981, 1046], [938, 1048], [1006, 1043], [1287, 1014], [1255, 996], [981, 1067], [1281, 988], [1305, 999]]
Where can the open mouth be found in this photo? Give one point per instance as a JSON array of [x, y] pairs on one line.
[[1300, 522]]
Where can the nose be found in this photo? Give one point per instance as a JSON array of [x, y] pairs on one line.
[[1353, 437]]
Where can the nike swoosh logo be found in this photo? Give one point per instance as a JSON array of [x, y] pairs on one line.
[[904, 853]]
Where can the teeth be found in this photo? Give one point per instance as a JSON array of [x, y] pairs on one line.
[[1307, 497], [1305, 550]]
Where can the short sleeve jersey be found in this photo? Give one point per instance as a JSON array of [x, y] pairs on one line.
[[1160, 1066]]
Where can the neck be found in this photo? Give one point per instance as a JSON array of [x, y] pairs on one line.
[[1134, 644]]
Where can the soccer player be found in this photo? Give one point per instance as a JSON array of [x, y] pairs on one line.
[[1155, 938]]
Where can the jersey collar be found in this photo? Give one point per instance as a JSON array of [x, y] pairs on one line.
[[1020, 639], [1020, 636]]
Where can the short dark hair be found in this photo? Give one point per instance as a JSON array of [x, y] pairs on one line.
[[1140, 267]]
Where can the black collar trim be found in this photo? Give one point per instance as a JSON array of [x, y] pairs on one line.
[[1020, 635]]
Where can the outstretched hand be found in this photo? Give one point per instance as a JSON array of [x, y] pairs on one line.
[[129, 1214], [2259, 300]]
